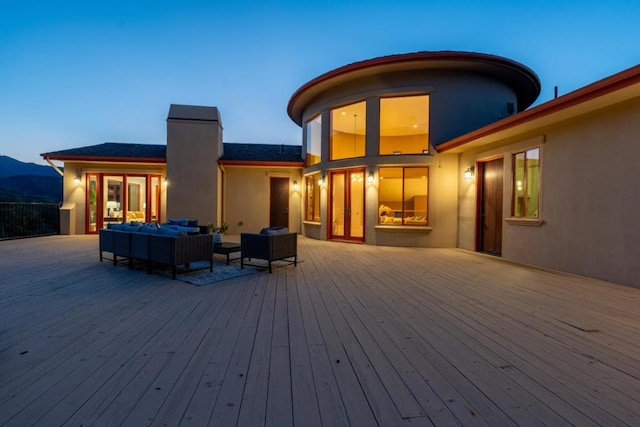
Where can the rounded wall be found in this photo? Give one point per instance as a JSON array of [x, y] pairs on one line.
[[460, 101]]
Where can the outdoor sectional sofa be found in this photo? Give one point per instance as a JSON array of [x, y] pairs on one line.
[[153, 244], [271, 244]]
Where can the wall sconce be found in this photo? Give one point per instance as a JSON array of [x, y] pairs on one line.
[[77, 180], [469, 172], [370, 178], [165, 182], [295, 185], [321, 180]]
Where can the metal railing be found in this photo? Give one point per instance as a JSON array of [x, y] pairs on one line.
[[18, 220]]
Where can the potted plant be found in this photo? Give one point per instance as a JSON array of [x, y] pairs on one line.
[[217, 231]]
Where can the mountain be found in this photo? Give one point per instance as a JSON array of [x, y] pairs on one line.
[[12, 167], [28, 182]]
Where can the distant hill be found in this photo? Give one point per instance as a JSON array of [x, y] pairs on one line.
[[12, 167], [28, 182]]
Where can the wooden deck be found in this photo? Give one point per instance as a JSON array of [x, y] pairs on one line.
[[355, 335]]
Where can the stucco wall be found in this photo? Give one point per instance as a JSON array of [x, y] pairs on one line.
[[246, 203], [590, 198]]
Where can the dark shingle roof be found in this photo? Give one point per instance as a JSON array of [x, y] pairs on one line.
[[262, 153], [112, 150], [232, 152]]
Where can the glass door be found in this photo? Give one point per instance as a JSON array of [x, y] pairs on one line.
[[347, 205]]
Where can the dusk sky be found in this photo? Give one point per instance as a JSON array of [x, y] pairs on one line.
[[78, 73]]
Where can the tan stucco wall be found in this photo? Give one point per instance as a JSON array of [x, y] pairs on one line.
[[590, 198], [193, 148], [74, 203], [246, 203]]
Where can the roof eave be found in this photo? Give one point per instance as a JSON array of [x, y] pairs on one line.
[[600, 94], [102, 159], [255, 163]]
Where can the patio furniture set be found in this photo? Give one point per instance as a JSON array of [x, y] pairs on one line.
[[179, 245]]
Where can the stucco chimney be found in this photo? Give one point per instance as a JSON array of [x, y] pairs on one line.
[[194, 145]]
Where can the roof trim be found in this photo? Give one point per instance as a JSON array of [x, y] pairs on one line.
[[110, 159], [587, 93], [260, 163], [524, 81]]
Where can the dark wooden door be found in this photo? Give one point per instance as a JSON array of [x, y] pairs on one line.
[[490, 215], [279, 202]]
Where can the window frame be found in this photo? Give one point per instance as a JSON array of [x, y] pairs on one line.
[[524, 215], [427, 133], [312, 188], [404, 223]]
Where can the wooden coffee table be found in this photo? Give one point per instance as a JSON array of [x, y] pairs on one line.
[[226, 248]]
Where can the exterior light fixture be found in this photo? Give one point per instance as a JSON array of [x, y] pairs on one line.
[[469, 172], [321, 180], [370, 178], [165, 182], [77, 180], [295, 185]]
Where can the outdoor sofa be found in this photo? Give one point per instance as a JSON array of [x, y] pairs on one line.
[[271, 244], [167, 244]]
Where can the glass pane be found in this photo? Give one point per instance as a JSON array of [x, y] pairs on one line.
[[312, 198], [356, 204], [113, 200], [390, 196], [337, 203], [136, 198], [519, 184], [155, 199], [533, 182], [314, 133], [93, 203], [415, 196], [348, 126], [404, 125]]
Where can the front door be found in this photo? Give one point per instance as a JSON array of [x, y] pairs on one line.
[[346, 217], [279, 202], [490, 207]]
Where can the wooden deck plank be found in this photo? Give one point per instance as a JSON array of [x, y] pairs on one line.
[[354, 335]]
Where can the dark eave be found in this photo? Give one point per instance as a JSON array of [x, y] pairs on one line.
[[522, 79], [610, 90]]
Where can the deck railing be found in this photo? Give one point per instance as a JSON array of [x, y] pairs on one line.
[[18, 220]]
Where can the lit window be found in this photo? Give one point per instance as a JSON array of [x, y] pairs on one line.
[[403, 195], [404, 125], [312, 198], [348, 124], [526, 184], [313, 132]]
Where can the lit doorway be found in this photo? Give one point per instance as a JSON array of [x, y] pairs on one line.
[[346, 215]]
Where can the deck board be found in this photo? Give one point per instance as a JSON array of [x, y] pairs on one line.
[[354, 335]]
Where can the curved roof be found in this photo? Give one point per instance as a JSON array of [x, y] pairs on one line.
[[520, 78]]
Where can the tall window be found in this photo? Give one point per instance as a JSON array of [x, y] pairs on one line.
[[403, 195], [404, 125], [312, 196], [348, 124], [314, 132], [526, 185]]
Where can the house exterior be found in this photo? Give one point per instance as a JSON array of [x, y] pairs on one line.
[[426, 149]]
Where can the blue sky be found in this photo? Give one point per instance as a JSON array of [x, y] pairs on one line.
[[76, 73]]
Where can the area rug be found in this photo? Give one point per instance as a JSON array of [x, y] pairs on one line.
[[198, 273]]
